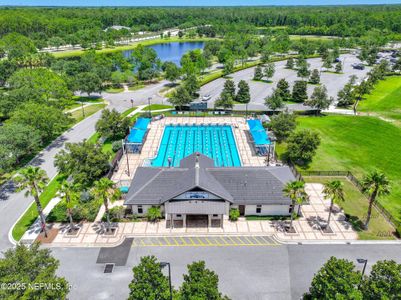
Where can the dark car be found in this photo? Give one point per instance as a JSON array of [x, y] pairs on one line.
[[358, 66]]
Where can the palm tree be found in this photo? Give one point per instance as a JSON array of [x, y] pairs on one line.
[[295, 191], [33, 179], [334, 191], [69, 193], [105, 191], [374, 184]]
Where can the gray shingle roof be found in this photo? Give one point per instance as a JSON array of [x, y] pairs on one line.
[[244, 185]]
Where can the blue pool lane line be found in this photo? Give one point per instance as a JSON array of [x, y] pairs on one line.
[[214, 141]]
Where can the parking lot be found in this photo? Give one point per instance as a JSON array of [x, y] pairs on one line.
[[206, 241]]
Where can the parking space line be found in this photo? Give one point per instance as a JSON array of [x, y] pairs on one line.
[[200, 241], [168, 243]]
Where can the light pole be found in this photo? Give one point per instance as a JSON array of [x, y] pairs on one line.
[[162, 265], [150, 112], [363, 261], [126, 154], [83, 110], [132, 103], [246, 111]]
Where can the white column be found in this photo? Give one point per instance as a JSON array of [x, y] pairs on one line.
[[221, 220], [184, 220], [171, 221], [209, 220]]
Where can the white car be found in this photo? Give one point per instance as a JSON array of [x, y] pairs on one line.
[[206, 97]]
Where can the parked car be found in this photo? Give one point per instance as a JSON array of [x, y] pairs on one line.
[[337, 60], [358, 66], [206, 97]]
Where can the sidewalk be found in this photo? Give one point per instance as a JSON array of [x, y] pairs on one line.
[[92, 234]]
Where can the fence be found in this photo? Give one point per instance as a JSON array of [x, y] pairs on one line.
[[357, 184], [114, 163]]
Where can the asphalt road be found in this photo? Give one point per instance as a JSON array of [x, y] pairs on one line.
[[13, 204], [260, 90], [248, 272]]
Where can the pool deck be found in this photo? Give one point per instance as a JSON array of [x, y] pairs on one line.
[[154, 136]]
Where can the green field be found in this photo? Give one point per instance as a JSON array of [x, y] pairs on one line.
[[89, 110], [385, 100], [356, 206], [359, 144]]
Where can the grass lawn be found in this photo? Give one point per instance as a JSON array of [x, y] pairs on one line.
[[359, 144], [114, 90], [31, 214], [385, 100], [156, 107], [89, 110], [136, 87], [356, 206]]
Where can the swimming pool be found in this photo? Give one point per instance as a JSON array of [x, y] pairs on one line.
[[215, 141]]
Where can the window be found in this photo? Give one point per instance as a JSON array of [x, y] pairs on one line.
[[178, 216], [215, 216], [258, 209], [140, 209], [291, 209]]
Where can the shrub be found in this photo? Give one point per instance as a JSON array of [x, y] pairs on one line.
[[234, 214], [398, 231], [117, 214], [116, 145], [82, 211], [154, 214]]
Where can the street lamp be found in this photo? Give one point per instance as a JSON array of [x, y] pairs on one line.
[[150, 112], [83, 110], [132, 103], [364, 262], [246, 111], [126, 154], [162, 265]]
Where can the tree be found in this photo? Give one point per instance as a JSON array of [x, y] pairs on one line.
[[258, 74], [226, 101], [16, 45], [384, 281], [339, 67], [146, 61], [105, 191], [229, 88], [112, 125], [89, 83], [345, 97], [172, 71], [302, 146], [34, 180], [290, 63], [375, 184], [283, 124], [299, 91], [47, 121], [180, 97], [269, 70], [243, 95], [327, 63], [274, 101], [31, 268], [180, 34], [334, 191], [84, 161], [228, 67], [149, 281], [319, 99], [200, 283], [315, 77], [295, 190], [153, 214], [192, 85], [283, 89], [337, 279], [69, 194], [234, 214], [303, 71]]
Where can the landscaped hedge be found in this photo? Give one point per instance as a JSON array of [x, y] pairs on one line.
[[83, 211]]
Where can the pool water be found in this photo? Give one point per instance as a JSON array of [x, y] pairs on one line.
[[214, 141]]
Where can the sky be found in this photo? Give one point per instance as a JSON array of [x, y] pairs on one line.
[[189, 2]]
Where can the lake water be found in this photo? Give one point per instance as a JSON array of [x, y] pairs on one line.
[[172, 51]]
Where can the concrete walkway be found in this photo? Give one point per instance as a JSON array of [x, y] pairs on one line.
[[93, 234]]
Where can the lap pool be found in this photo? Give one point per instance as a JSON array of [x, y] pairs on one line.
[[215, 141]]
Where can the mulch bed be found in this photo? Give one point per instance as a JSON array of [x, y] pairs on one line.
[[51, 235]]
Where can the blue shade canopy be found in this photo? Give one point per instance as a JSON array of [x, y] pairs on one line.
[[258, 133], [138, 131]]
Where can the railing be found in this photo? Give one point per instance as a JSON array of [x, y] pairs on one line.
[[114, 163], [356, 183]]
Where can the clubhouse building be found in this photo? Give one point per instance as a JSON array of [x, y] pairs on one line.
[[197, 193]]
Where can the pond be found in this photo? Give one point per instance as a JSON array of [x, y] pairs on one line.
[[171, 51]]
